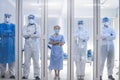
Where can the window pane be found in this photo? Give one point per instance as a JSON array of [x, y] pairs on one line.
[[109, 56], [31, 32], [57, 59], [83, 39]]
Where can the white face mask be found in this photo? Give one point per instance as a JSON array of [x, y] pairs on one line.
[[106, 23], [31, 21], [80, 26], [7, 20]]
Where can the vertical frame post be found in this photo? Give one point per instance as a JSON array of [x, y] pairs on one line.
[[70, 38], [119, 40], [44, 51], [18, 37], [96, 35]]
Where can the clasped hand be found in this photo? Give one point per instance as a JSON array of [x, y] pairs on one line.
[[58, 43]]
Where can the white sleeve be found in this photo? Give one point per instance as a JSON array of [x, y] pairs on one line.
[[84, 36], [112, 35], [24, 32], [104, 35], [75, 35]]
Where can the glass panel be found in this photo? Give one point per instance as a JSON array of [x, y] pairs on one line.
[[31, 30], [7, 39], [57, 54], [83, 40], [109, 56]]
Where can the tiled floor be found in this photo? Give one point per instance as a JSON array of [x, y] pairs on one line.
[[88, 75]]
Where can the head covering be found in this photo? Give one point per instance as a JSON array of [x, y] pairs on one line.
[[80, 22], [31, 17], [7, 15], [105, 19]]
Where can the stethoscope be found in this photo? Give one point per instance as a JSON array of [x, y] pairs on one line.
[[34, 26]]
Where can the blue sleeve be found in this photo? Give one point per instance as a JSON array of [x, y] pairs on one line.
[[12, 33], [7, 31], [50, 39], [62, 39], [3, 32]]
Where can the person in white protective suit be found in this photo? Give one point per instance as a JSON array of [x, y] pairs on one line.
[[31, 33], [107, 48], [80, 49]]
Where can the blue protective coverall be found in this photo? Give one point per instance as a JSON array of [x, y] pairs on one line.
[[7, 43], [7, 47]]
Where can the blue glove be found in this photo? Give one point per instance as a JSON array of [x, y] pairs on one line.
[[35, 32], [83, 40], [111, 34], [27, 37]]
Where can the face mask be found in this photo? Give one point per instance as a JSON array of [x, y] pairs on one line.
[[57, 31], [106, 23], [80, 26], [31, 21], [7, 20]]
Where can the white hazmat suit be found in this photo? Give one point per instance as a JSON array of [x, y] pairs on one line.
[[80, 48], [107, 49], [31, 33]]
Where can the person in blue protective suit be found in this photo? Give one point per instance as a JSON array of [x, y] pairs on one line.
[[7, 46], [31, 33], [56, 57], [80, 49], [107, 48]]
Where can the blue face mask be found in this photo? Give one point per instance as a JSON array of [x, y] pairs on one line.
[[57, 31]]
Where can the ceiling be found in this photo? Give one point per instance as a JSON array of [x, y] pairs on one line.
[[58, 8]]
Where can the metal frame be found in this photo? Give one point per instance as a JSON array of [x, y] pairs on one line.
[[119, 42], [19, 37], [96, 37], [70, 25], [16, 43], [44, 42]]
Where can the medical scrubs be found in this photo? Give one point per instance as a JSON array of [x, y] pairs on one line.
[[56, 57]]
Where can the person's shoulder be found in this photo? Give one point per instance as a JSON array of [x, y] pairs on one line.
[[12, 24], [2, 23], [61, 35], [111, 27], [25, 26], [52, 35], [37, 24]]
